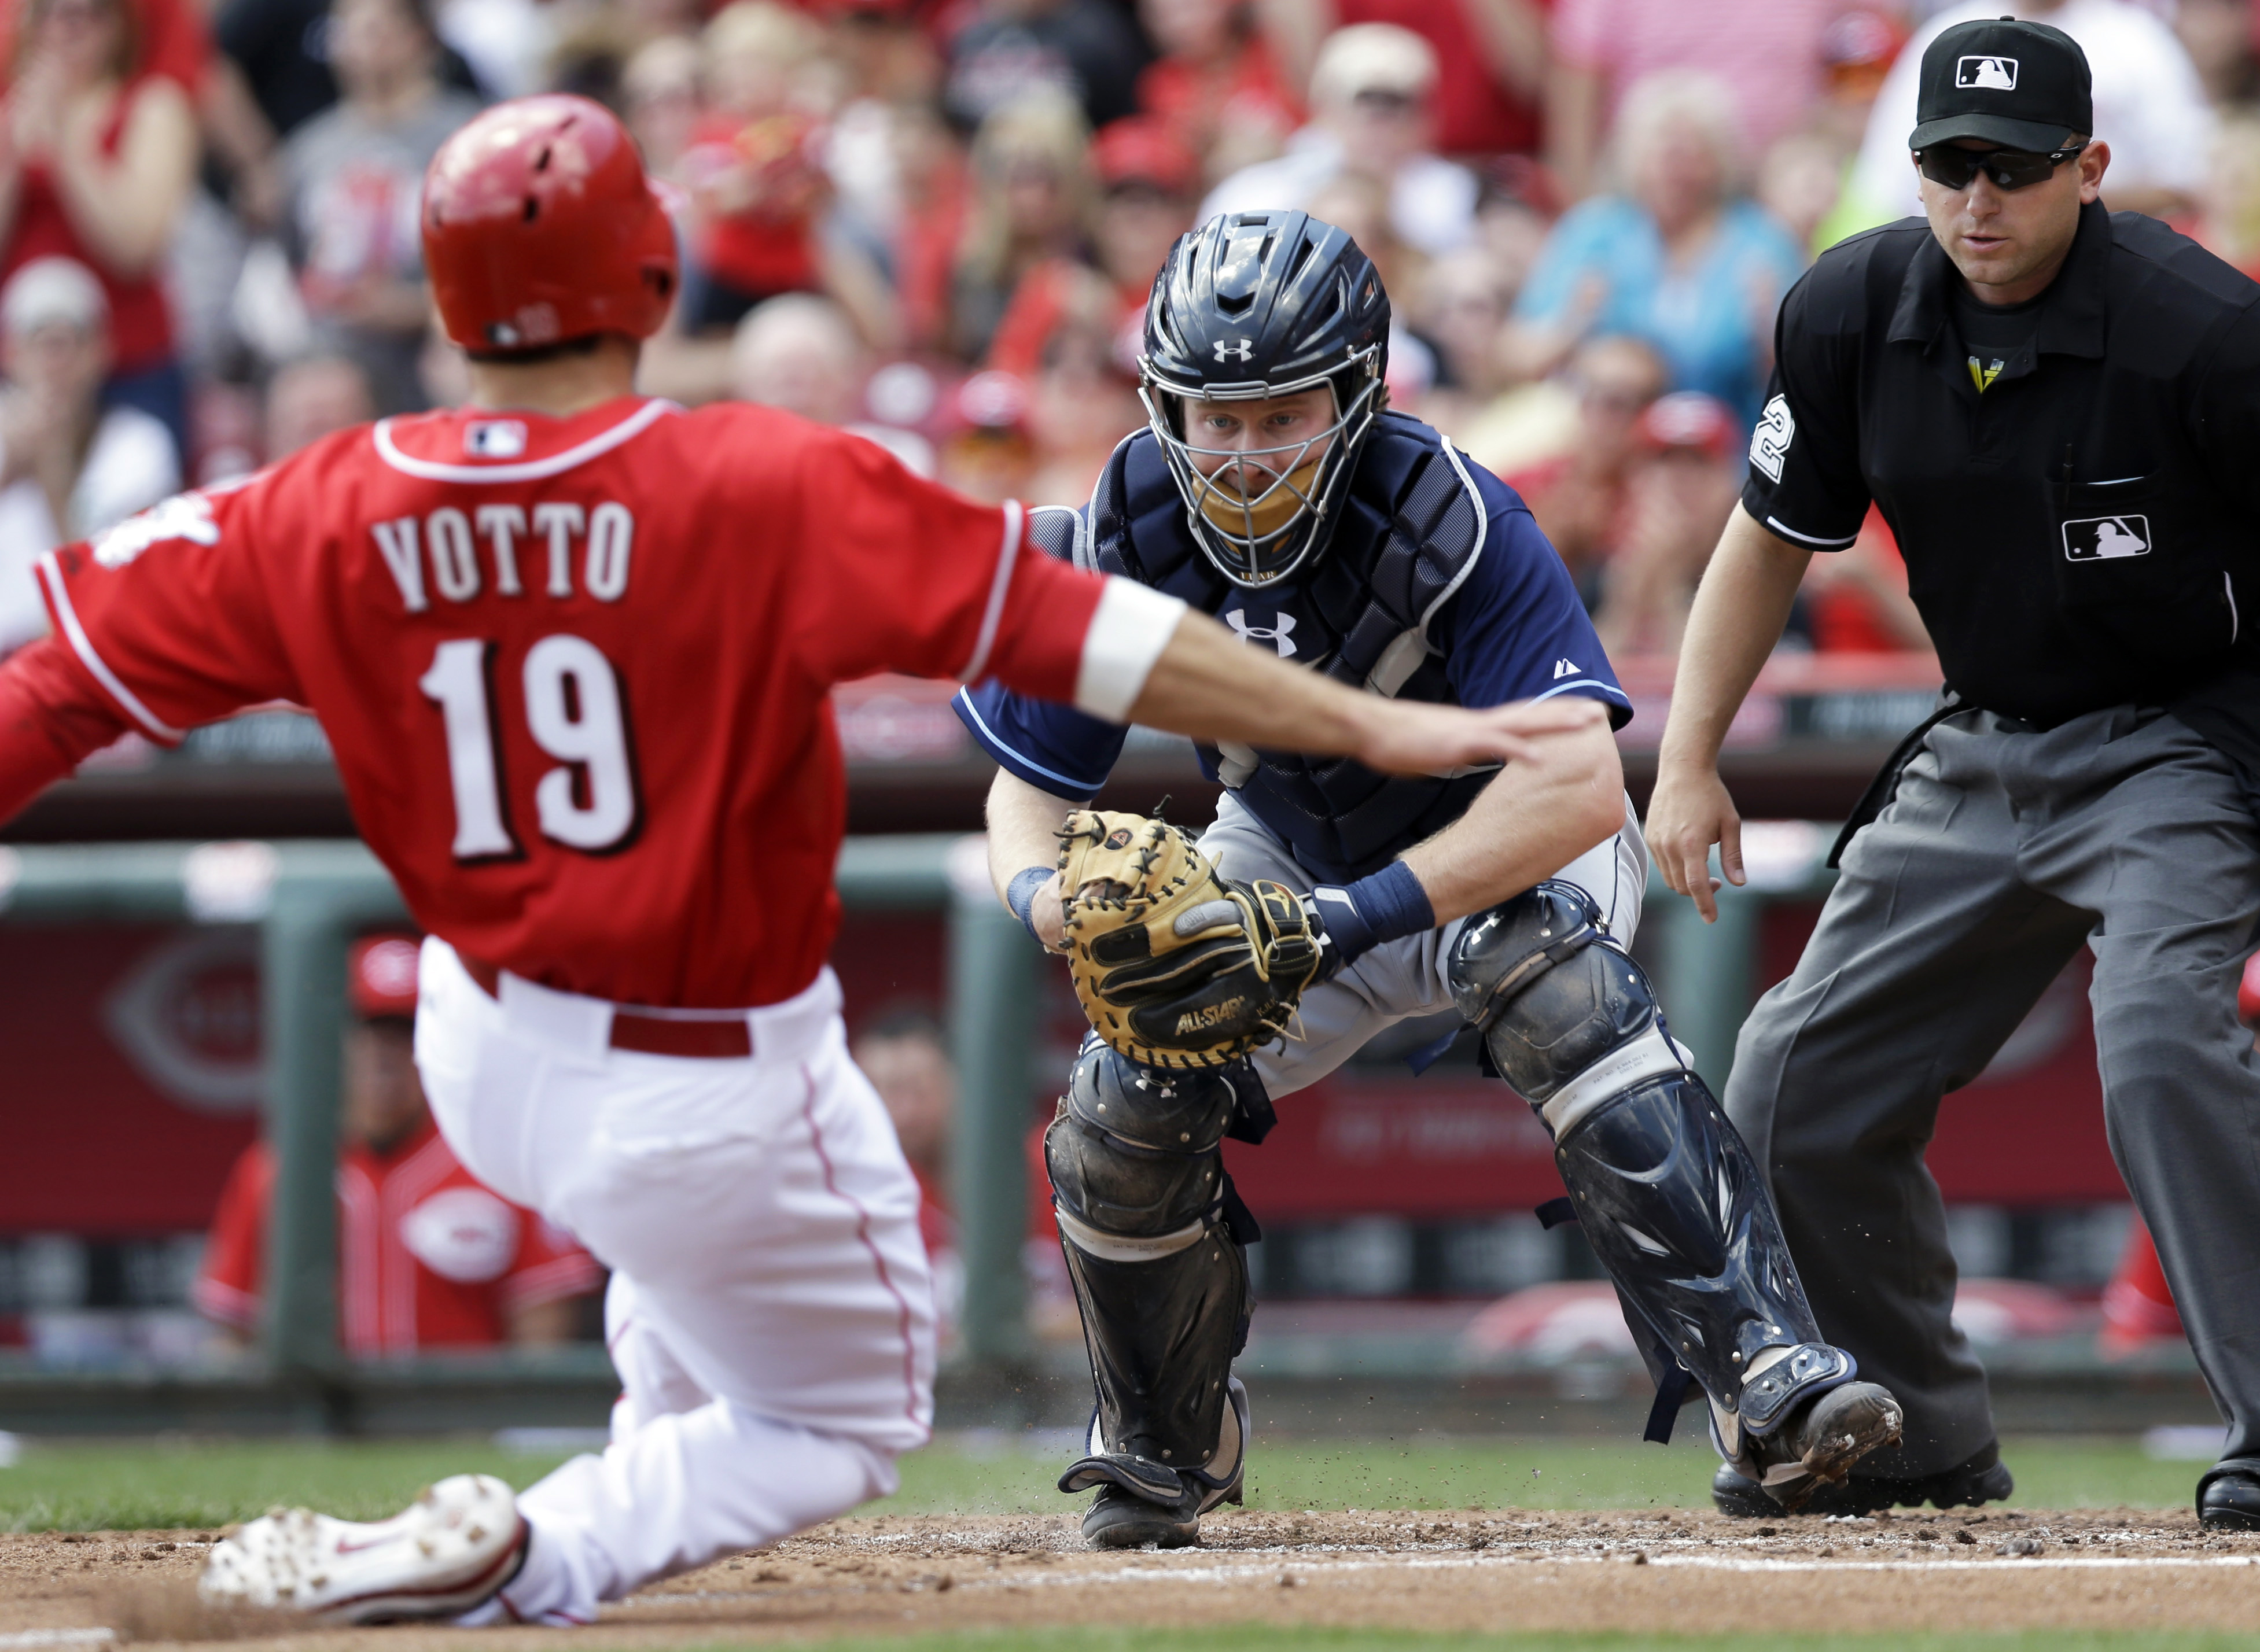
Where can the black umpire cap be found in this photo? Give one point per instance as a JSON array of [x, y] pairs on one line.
[[2021, 85]]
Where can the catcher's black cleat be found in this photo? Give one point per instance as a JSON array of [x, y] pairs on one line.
[[1141, 1501], [1817, 1444], [2228, 1501], [1118, 1518], [1983, 1477]]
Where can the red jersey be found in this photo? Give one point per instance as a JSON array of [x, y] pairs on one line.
[[426, 1257], [575, 672]]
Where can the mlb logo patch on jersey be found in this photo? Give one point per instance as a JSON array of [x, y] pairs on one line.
[[2102, 539], [494, 439], [1986, 73]]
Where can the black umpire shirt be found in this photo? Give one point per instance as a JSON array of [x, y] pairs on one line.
[[2074, 482]]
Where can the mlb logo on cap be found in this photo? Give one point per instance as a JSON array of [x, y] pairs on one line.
[[2022, 86], [1986, 73]]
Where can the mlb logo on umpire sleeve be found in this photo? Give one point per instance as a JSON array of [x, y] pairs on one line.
[[2101, 538], [1986, 73]]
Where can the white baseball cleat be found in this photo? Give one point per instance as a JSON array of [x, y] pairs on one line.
[[450, 1550]]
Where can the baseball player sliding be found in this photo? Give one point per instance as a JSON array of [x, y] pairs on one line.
[[1328, 902], [572, 648]]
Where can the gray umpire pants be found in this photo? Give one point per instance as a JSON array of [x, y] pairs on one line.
[[2004, 848]]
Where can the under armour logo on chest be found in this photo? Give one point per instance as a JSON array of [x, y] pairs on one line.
[[1244, 351], [1280, 636]]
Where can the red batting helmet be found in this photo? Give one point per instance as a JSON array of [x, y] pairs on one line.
[[540, 226]]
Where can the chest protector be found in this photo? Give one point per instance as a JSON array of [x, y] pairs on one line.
[[1409, 531]]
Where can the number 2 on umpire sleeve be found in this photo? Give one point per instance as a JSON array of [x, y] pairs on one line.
[[574, 712]]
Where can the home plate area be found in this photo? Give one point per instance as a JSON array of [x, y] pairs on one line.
[[1488, 1569]]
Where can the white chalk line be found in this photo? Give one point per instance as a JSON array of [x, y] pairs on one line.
[[1314, 1571], [58, 1637]]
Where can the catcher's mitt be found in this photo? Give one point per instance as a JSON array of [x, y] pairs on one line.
[[1175, 965]]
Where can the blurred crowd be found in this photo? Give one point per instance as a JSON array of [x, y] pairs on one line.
[[935, 222]]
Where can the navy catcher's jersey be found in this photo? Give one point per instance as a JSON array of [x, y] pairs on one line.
[[1418, 595]]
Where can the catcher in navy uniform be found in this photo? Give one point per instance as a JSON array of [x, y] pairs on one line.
[[1328, 902]]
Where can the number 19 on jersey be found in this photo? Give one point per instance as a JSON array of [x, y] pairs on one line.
[[575, 713]]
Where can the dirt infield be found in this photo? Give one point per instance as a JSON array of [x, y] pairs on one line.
[[1488, 1569]]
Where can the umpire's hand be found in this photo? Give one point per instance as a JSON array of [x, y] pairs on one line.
[[1690, 811]]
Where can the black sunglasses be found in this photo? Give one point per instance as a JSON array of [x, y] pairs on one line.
[[2008, 168]]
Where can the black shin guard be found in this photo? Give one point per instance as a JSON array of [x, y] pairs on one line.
[[1140, 1196], [1672, 1204], [1668, 1196], [1161, 1336]]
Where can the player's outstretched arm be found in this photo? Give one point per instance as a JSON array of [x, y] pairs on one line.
[[1210, 685], [1740, 609], [1534, 818], [51, 719]]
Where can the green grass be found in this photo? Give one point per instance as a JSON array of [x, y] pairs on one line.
[[1259, 1637], [112, 1484], [124, 1486], [1514, 1473]]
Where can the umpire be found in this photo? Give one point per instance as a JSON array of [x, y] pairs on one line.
[[2057, 410]]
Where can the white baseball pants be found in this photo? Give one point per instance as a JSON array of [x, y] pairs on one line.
[[771, 1313], [1398, 980]]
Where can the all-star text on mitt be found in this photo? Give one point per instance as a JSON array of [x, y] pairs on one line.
[[1175, 965]]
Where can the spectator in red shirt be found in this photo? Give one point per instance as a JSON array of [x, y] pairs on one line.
[[1856, 599], [1147, 178], [1217, 84], [1576, 485], [1681, 488], [427, 1258], [1033, 199], [1491, 56], [97, 154], [755, 164]]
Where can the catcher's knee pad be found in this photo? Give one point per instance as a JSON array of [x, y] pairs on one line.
[[1133, 1152], [1669, 1197], [1138, 1183], [1568, 1019]]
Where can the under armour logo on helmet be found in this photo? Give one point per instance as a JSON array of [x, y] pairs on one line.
[[1280, 636], [1244, 351]]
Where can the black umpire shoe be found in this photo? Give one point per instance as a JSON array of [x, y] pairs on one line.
[[1982, 1477], [2228, 1501]]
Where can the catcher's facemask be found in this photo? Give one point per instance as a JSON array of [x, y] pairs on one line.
[[1263, 512]]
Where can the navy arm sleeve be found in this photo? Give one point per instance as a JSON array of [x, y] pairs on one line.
[[1053, 747], [1515, 629]]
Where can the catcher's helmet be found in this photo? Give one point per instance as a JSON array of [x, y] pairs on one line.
[[540, 226], [1248, 306]]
